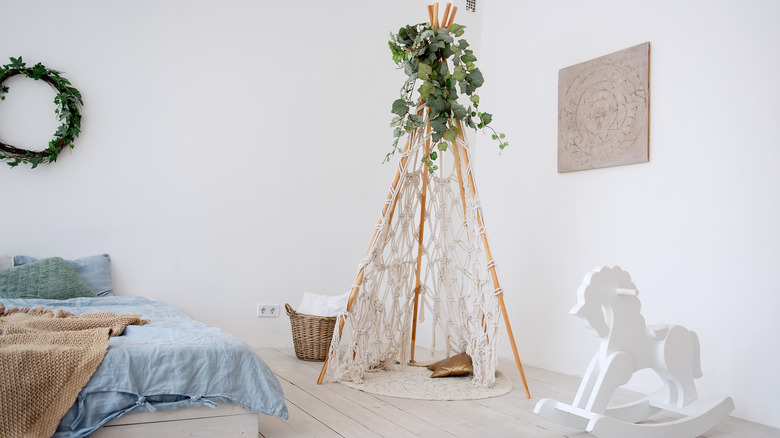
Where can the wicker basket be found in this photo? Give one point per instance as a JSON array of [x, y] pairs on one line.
[[311, 334]]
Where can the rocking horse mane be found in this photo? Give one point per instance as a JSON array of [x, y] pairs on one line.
[[599, 289]]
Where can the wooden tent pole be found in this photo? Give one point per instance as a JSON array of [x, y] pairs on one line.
[[492, 267], [445, 17], [359, 280], [433, 14], [452, 16], [420, 235]]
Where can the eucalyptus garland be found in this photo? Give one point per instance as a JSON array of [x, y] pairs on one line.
[[68, 100], [424, 54]]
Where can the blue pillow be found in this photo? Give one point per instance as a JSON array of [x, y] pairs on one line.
[[94, 270]]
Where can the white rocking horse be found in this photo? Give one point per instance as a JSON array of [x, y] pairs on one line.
[[607, 300]]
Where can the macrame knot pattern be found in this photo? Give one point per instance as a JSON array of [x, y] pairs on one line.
[[454, 287]]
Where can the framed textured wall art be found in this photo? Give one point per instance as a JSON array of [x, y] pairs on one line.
[[603, 111]]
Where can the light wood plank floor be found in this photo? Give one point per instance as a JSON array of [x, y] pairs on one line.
[[333, 410]]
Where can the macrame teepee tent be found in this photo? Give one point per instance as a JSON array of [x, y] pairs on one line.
[[429, 254]]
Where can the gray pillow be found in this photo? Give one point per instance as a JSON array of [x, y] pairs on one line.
[[94, 270], [51, 279]]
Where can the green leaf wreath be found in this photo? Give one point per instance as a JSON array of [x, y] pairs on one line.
[[423, 53], [68, 100]]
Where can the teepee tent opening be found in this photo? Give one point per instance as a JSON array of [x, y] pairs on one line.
[[428, 261]]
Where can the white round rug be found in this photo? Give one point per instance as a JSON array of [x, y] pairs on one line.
[[415, 382]]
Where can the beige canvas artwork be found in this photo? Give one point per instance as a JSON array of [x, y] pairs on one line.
[[603, 111]]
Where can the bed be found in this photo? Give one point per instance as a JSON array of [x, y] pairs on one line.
[[175, 375]]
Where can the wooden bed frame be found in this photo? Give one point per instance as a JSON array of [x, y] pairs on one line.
[[225, 421]]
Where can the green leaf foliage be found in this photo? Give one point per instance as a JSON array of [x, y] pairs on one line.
[[16, 63], [425, 89], [459, 73], [438, 124], [475, 78], [416, 121], [459, 111], [424, 71], [426, 54], [400, 107], [67, 100], [468, 56], [457, 29], [451, 134]]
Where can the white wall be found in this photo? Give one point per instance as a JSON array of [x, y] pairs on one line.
[[696, 226], [230, 155]]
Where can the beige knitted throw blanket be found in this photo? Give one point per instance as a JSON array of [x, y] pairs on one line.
[[46, 357]]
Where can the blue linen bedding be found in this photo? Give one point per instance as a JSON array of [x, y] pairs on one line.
[[173, 362]]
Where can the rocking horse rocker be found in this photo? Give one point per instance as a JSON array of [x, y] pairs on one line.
[[627, 346]]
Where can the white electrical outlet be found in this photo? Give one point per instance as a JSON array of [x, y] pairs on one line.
[[268, 310]]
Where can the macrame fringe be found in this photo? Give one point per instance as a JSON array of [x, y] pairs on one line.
[[36, 311]]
